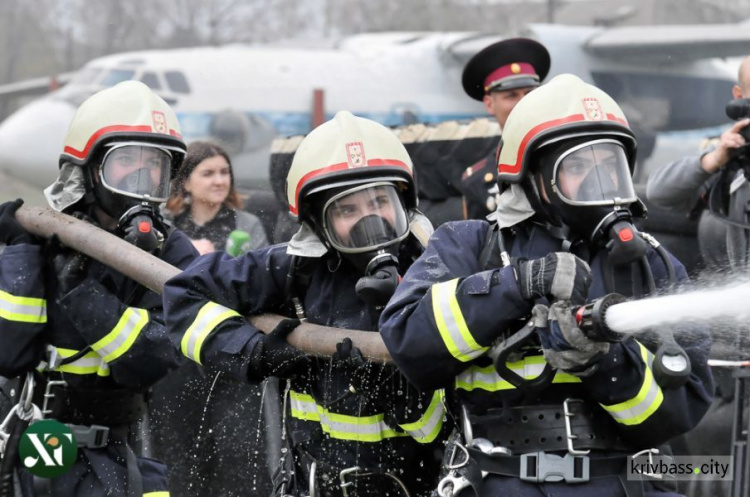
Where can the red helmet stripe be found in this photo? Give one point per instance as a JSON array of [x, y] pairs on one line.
[[339, 167], [618, 119], [516, 168], [82, 154]]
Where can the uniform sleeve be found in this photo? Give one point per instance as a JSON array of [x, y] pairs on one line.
[[677, 185], [131, 339], [205, 305], [446, 312], [624, 384], [23, 308]]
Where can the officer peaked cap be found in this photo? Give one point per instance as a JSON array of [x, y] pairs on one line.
[[505, 65]]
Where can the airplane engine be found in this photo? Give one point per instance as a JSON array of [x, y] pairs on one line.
[[232, 129]]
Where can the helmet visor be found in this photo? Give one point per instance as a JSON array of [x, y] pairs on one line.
[[594, 173], [365, 218], [137, 170]]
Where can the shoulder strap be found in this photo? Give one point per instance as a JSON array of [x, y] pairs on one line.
[[297, 281], [495, 244]]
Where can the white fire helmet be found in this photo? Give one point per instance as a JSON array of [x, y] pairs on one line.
[[348, 151], [564, 108], [129, 112]]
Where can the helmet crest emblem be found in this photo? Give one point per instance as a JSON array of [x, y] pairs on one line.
[[593, 109], [355, 154], [160, 121]]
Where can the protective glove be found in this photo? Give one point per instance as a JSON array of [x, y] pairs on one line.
[[273, 356], [71, 268], [565, 346], [558, 276], [366, 378], [11, 231]]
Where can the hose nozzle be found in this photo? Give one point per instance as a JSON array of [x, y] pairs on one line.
[[591, 319]]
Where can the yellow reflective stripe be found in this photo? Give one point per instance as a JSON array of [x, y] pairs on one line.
[[427, 428], [341, 426], [208, 318], [451, 324], [156, 494], [487, 377], [121, 338], [90, 363], [647, 400], [22, 309]]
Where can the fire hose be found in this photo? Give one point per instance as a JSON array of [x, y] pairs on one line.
[[152, 273]]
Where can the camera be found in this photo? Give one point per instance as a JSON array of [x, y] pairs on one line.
[[740, 109]]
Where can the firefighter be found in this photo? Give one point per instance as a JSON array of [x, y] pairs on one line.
[[554, 401], [499, 76], [96, 337], [352, 427]]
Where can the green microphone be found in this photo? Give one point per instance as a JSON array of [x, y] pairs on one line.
[[238, 243]]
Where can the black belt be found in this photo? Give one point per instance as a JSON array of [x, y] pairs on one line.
[[543, 428], [81, 406]]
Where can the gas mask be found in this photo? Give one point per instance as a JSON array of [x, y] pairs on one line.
[[366, 224], [133, 180], [591, 191]]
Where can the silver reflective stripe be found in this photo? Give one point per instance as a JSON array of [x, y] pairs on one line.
[[22, 309], [341, 426], [451, 324], [90, 363], [208, 318], [648, 399], [121, 338], [487, 377], [427, 428]]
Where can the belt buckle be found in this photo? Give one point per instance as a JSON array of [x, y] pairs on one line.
[[49, 395], [569, 430], [344, 485], [90, 437], [540, 467]]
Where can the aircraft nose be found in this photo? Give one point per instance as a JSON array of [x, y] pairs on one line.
[[31, 140]]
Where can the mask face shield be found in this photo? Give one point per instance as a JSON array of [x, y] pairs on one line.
[[137, 170], [365, 218], [594, 173]]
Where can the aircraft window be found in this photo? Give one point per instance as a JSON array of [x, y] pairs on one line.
[[87, 75], [658, 102], [177, 82], [151, 80], [117, 76]]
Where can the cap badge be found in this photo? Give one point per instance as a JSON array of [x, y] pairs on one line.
[[160, 121], [515, 68], [355, 154], [593, 109]]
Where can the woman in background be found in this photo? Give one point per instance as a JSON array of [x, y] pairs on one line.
[[207, 208], [205, 423]]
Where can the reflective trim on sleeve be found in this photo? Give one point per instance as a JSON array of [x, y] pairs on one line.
[[208, 318], [648, 399], [156, 494], [91, 363], [121, 338], [487, 378], [427, 428], [451, 324], [341, 426], [22, 309]]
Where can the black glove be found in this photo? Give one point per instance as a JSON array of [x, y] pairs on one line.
[[559, 276], [71, 267], [366, 379], [11, 232], [273, 356]]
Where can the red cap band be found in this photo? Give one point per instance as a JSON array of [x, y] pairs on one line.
[[513, 69]]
